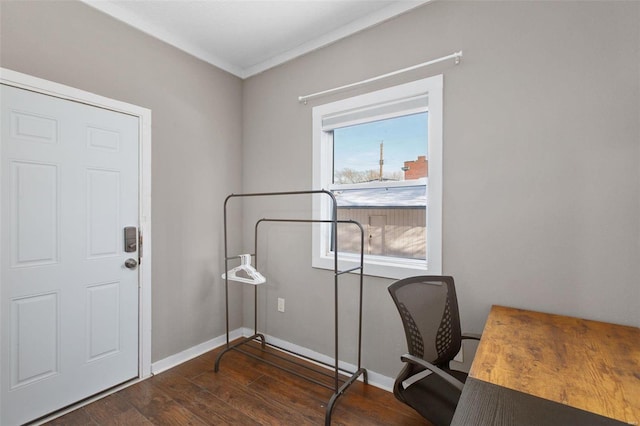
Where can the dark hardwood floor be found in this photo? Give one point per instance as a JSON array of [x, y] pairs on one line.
[[244, 392]]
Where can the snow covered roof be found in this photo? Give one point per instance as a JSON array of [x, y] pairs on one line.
[[392, 196]]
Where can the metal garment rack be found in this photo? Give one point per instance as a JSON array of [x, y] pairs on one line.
[[337, 387]]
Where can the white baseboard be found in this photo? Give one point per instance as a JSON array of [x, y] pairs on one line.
[[375, 379], [195, 351]]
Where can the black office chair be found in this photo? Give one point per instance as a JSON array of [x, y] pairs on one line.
[[429, 310]]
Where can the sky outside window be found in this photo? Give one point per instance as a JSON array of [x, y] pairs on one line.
[[358, 147]]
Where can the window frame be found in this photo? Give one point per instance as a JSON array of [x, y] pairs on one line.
[[322, 150]]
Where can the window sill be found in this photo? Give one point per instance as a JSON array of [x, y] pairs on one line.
[[377, 266]]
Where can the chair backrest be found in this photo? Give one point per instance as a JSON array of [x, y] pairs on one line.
[[429, 310]]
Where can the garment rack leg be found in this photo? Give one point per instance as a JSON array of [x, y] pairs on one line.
[[340, 392], [244, 340]]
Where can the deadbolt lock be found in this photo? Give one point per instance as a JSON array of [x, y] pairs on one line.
[[130, 239]]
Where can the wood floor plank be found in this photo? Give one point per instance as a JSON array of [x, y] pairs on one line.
[[158, 407], [358, 394], [200, 401], [295, 396], [196, 366], [263, 408], [388, 412], [115, 410], [303, 396], [244, 392], [239, 362], [75, 418]]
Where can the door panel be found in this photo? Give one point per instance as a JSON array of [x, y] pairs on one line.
[[102, 320], [34, 217], [103, 226], [33, 128], [69, 306], [35, 338]]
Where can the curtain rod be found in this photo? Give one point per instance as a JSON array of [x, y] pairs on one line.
[[456, 56]]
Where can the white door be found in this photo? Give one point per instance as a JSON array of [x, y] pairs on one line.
[[69, 306]]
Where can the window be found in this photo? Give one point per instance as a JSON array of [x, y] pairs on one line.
[[381, 155]]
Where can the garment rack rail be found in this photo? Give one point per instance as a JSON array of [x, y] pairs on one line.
[[339, 385]]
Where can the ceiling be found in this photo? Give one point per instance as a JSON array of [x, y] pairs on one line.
[[248, 37]]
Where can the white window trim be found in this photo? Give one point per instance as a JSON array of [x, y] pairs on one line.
[[382, 266]]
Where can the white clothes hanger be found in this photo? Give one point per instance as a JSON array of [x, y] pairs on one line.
[[245, 273]]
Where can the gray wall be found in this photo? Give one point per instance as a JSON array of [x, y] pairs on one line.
[[542, 161], [541, 164], [196, 147]]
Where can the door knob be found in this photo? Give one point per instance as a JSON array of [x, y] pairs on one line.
[[131, 263]]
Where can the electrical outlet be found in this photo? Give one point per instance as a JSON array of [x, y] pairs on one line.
[[280, 304]]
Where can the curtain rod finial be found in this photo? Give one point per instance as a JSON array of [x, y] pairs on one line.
[[457, 57]]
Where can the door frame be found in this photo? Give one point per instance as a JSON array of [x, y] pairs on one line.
[[46, 87]]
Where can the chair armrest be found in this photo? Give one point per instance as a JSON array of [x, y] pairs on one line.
[[474, 336], [443, 374]]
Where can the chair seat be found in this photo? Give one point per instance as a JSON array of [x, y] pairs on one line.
[[433, 397]]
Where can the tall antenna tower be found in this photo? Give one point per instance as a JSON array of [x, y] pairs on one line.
[[381, 158]]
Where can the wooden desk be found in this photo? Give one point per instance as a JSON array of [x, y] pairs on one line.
[[587, 365], [483, 404]]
